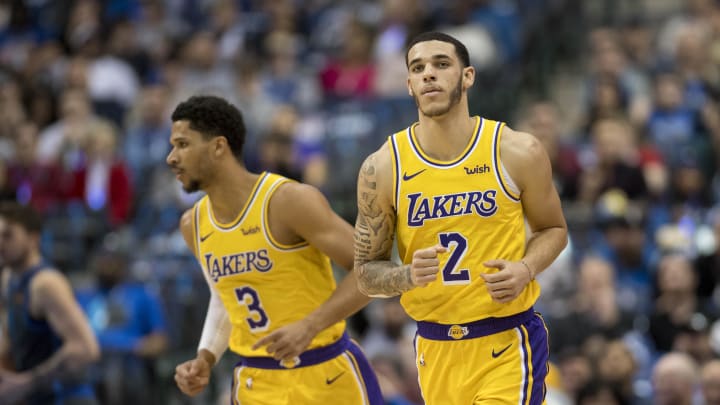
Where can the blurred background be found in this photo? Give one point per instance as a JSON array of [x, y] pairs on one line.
[[623, 94]]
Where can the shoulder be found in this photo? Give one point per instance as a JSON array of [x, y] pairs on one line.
[[49, 283], [378, 161], [293, 197], [523, 155], [186, 225], [519, 145]]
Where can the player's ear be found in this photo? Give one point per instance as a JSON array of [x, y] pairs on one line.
[[468, 77], [410, 91], [220, 144]]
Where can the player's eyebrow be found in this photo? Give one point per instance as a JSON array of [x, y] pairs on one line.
[[434, 57]]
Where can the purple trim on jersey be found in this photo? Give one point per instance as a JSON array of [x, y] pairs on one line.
[[394, 148], [419, 154], [308, 358], [526, 368], [374, 395], [496, 162], [483, 327], [538, 338]]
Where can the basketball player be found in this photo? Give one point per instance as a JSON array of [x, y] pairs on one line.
[[455, 190], [264, 244], [47, 338]]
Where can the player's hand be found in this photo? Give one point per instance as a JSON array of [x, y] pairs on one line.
[[14, 386], [425, 265], [193, 376], [288, 341], [509, 282]]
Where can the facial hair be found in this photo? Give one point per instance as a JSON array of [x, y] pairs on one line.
[[455, 96], [192, 186], [19, 261]]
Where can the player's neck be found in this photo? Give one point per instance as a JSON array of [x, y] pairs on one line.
[[33, 259], [445, 137], [229, 193]]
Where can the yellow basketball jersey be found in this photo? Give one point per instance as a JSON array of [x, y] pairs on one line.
[[468, 206], [263, 284]]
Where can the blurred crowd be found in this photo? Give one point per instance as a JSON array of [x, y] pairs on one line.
[[624, 95]]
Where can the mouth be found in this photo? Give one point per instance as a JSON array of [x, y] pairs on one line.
[[431, 91]]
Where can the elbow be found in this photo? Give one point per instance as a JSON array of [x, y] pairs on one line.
[[362, 283], [89, 352], [564, 239]]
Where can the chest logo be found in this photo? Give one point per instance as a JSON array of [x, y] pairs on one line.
[[477, 169], [237, 263], [421, 208], [407, 177]]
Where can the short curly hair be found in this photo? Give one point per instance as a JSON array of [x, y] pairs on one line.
[[214, 116], [23, 215]]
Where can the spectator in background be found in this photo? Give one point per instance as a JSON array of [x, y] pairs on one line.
[[392, 379], [576, 371], [61, 142], [710, 380], [609, 60], [674, 379], [614, 162], [599, 393], [672, 126], [708, 263], [352, 73], [543, 119], [617, 367], [102, 181], [42, 185], [676, 307], [145, 146], [388, 330], [594, 312], [130, 324]]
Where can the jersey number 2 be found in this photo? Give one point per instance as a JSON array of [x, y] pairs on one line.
[[457, 245], [257, 319]]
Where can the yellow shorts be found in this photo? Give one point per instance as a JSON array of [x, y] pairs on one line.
[[483, 362], [335, 374]]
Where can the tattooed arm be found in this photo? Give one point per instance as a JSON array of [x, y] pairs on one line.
[[374, 232]]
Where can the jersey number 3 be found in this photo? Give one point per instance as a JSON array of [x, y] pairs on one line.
[[457, 246], [257, 319]]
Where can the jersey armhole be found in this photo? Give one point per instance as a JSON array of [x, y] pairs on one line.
[[502, 176], [394, 156], [266, 219], [196, 230]]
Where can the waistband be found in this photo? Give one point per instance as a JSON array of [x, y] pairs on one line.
[[307, 358], [476, 329]]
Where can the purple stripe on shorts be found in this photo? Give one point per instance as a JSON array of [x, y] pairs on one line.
[[538, 338], [368, 375]]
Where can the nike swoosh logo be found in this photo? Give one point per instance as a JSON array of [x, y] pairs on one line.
[[202, 238], [498, 354], [329, 381], [406, 177]]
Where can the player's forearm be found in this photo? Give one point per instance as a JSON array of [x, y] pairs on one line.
[[344, 301], [216, 329], [543, 248], [68, 363], [384, 278]]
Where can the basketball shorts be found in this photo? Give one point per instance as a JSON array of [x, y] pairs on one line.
[[490, 361], [335, 374]]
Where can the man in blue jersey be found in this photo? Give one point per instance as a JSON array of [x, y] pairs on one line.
[[46, 338]]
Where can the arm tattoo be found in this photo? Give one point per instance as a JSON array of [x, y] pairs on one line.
[[374, 231]]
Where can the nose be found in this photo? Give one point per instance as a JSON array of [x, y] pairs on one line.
[[429, 73], [171, 159]]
